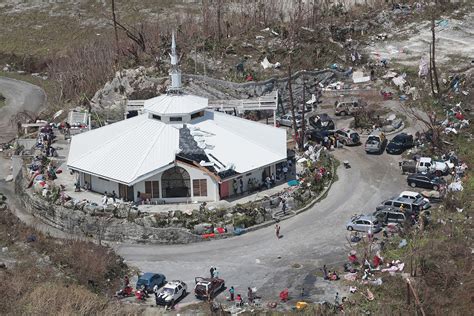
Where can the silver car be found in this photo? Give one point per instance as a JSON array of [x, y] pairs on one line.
[[363, 223], [287, 120]]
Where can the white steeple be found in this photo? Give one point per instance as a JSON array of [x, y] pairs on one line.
[[175, 73]]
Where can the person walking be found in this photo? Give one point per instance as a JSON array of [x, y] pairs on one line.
[[114, 196], [277, 231], [232, 292]]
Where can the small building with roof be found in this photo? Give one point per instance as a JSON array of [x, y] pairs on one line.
[[178, 150]]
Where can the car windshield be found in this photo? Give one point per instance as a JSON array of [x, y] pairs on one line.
[[397, 141], [354, 135], [373, 139], [168, 290]]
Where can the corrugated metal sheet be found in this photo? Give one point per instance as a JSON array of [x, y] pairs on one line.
[[131, 150], [245, 144], [169, 104], [126, 150]]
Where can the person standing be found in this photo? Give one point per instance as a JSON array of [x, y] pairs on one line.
[[232, 292], [285, 171], [273, 179], [216, 272], [277, 231], [211, 271], [105, 199], [114, 196], [250, 295], [241, 186]]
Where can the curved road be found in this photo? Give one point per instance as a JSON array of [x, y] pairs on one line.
[[311, 239], [19, 96]]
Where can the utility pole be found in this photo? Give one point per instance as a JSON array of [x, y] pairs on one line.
[[303, 123]]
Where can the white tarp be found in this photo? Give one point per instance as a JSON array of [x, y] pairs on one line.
[[358, 77], [267, 64], [312, 101]]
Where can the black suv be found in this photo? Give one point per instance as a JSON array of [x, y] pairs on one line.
[[400, 143], [321, 122], [425, 180]]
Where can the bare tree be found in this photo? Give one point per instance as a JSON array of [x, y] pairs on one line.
[[114, 19], [292, 104], [433, 57]]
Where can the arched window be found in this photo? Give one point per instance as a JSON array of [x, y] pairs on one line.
[[175, 182]]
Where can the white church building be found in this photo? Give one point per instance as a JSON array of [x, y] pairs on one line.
[[178, 150]]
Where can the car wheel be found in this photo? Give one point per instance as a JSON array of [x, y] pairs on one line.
[[350, 228], [413, 185], [435, 187]]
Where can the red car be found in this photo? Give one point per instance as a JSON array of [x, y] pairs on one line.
[[208, 288]]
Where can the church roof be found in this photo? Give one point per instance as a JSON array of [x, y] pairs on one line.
[[132, 150], [175, 104]]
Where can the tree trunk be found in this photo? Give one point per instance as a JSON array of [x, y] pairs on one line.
[[431, 73], [219, 31], [115, 30], [303, 125], [435, 72], [292, 105]]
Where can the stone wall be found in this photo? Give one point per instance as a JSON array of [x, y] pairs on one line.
[[101, 226]]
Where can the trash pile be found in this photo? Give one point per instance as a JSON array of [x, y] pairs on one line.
[[455, 120]]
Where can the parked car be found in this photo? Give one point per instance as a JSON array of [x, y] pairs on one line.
[[413, 195], [171, 292], [376, 142], [348, 107], [207, 288], [400, 143], [409, 205], [347, 136], [287, 120], [425, 180], [363, 223], [390, 215], [149, 280], [321, 122]]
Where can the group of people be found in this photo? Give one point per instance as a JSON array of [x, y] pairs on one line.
[[238, 299], [214, 272], [105, 198]]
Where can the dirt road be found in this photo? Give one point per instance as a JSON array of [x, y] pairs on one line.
[[19, 96]]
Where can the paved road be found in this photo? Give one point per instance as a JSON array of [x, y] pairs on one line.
[[19, 96], [311, 239]]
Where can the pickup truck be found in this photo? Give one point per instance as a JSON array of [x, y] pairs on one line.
[[207, 288], [426, 165]]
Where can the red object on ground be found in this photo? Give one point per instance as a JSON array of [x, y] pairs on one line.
[[377, 261], [208, 235], [139, 295], [459, 116], [220, 230], [284, 295], [249, 78], [353, 258], [59, 171]]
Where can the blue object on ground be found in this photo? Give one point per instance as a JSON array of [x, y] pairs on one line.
[[292, 183], [239, 231]]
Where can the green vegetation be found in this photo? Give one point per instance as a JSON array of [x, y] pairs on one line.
[[74, 277], [2, 100]]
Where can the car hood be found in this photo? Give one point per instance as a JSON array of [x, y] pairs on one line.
[[165, 296], [393, 146]]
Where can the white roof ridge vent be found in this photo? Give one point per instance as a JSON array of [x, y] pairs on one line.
[[206, 163]]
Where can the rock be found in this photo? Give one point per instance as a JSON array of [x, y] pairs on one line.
[[69, 204], [110, 208], [90, 209], [9, 178], [4, 249]]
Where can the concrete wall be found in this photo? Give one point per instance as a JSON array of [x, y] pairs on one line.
[[98, 224], [101, 185]]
